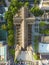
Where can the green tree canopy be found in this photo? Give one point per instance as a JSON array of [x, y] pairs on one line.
[[10, 40], [36, 11], [27, 4], [10, 32], [4, 27], [8, 15], [12, 10], [12, 51], [36, 2], [42, 24], [10, 25], [15, 5]]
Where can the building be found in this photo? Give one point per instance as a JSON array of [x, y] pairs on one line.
[[23, 27], [3, 38], [43, 37], [3, 34], [3, 53], [44, 4], [23, 22], [27, 29], [44, 51]]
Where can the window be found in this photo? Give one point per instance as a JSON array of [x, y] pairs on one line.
[[36, 29], [35, 24]]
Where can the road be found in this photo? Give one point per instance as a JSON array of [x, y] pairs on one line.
[[7, 3]]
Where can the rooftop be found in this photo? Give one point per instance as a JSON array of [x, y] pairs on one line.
[[45, 39], [43, 48]]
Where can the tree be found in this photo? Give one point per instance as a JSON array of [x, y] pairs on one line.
[[10, 32], [8, 15], [36, 11], [42, 25], [10, 40], [12, 10], [27, 4], [36, 2], [46, 31], [4, 27], [12, 51], [9, 25], [36, 56], [20, 4], [14, 3]]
